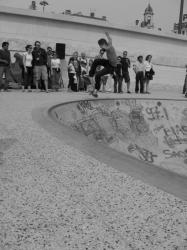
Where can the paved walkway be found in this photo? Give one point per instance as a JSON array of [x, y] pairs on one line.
[[55, 197]]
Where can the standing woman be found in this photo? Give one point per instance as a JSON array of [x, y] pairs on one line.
[[139, 69], [72, 86], [28, 68], [77, 66], [149, 72], [55, 71]]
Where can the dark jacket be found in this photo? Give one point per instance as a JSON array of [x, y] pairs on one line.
[[125, 64], [39, 57], [5, 55], [119, 69]]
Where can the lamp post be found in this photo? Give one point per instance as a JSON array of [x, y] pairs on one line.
[[180, 16]]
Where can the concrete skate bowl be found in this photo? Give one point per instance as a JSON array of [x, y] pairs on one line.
[[153, 131]]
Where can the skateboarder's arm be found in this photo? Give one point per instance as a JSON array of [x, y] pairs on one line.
[[109, 38]]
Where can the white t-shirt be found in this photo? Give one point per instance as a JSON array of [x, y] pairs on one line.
[[28, 59], [71, 68], [148, 66], [55, 63]]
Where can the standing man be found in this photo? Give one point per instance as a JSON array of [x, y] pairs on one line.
[[139, 69], [4, 64], [40, 65], [126, 64], [49, 57]]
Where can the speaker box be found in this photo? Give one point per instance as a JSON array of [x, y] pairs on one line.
[[60, 50]]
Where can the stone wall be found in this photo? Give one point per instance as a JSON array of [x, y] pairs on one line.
[[21, 27]]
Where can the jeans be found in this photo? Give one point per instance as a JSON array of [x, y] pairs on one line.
[[28, 77], [139, 79], [118, 82]]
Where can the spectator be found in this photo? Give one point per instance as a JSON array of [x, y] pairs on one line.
[[149, 72], [185, 83], [104, 78], [90, 62], [139, 69], [84, 69], [40, 65], [83, 59], [87, 81], [55, 71], [5, 61], [119, 77], [49, 57], [77, 66], [28, 68], [72, 86], [125, 70]]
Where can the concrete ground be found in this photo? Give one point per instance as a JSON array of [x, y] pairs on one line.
[[54, 196]]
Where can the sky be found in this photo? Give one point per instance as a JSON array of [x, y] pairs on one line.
[[123, 12]]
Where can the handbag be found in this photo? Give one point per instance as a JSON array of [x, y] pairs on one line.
[[152, 72]]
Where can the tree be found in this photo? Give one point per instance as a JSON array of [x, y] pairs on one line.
[[44, 3]]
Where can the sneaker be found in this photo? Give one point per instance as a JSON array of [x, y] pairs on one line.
[[128, 92], [94, 93]]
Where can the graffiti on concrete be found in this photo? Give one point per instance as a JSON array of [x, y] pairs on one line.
[[174, 135], [150, 130], [138, 123], [157, 112], [175, 154], [143, 153]]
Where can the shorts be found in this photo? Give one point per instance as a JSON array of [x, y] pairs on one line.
[[40, 72], [126, 77]]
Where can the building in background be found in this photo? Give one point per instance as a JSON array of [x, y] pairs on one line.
[[33, 5], [183, 26], [80, 14], [148, 18]]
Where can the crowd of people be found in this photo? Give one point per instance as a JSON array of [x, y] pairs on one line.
[[42, 69], [81, 69]]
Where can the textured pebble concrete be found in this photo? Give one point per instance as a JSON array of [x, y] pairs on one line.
[[55, 197]]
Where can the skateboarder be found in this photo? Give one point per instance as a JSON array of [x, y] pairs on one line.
[[109, 64]]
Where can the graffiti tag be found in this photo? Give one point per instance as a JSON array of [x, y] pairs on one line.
[[175, 154], [174, 135], [143, 153], [157, 112]]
